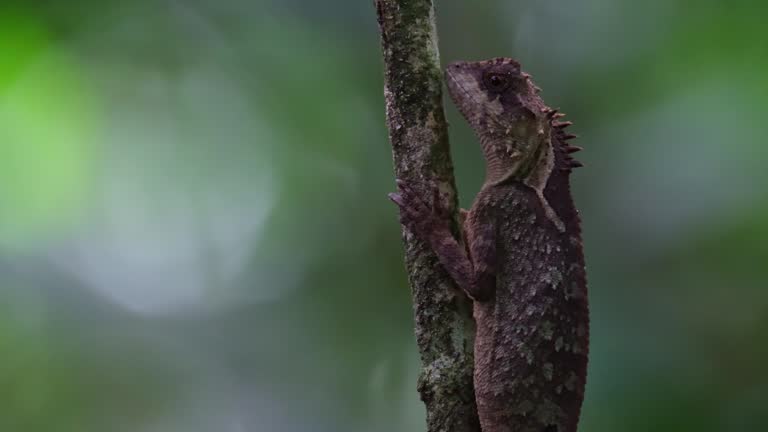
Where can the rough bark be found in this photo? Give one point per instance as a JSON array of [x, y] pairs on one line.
[[419, 137]]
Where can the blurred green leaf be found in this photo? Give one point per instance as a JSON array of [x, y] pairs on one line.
[[47, 130]]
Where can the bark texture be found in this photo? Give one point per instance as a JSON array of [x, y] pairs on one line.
[[419, 137]]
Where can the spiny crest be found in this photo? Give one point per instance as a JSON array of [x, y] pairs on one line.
[[559, 126]]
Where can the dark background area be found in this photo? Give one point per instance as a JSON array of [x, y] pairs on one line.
[[195, 235]]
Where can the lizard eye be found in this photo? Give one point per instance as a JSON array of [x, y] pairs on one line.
[[497, 82]]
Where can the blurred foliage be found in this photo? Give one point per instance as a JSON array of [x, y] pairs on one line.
[[194, 234], [45, 169]]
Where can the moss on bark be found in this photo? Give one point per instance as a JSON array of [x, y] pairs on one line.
[[419, 137]]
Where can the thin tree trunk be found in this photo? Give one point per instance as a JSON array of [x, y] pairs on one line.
[[419, 137]]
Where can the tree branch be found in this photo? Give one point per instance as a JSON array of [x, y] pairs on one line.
[[419, 137]]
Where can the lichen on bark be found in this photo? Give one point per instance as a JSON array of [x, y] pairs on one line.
[[419, 137]]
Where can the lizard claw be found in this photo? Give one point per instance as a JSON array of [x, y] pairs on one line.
[[396, 198], [415, 214]]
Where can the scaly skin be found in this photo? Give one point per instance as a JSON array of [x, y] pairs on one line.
[[523, 265]]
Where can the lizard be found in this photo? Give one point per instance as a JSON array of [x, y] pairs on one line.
[[519, 257]]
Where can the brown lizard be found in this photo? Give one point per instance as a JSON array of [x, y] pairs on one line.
[[523, 263]]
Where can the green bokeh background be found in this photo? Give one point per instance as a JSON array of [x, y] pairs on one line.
[[195, 236]]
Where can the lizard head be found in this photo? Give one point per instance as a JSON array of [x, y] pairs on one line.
[[502, 105]]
